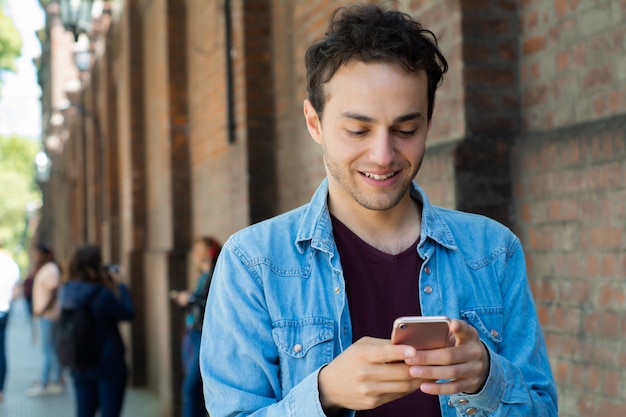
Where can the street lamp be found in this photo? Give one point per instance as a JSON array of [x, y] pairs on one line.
[[82, 53], [76, 16], [42, 166]]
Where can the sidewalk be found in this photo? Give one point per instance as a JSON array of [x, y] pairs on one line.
[[24, 361]]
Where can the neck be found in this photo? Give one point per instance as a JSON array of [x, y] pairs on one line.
[[391, 231]]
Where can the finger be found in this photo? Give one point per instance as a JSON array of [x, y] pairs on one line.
[[449, 387], [463, 332], [381, 351]]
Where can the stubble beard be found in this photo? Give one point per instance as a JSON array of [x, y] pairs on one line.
[[380, 201]]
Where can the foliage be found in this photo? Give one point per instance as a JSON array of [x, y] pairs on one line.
[[10, 43], [18, 191]]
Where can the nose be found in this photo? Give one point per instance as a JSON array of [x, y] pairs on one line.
[[382, 149]]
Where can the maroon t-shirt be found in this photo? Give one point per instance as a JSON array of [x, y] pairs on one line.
[[380, 288]]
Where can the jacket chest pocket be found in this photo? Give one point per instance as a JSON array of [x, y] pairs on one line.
[[303, 346], [488, 321]]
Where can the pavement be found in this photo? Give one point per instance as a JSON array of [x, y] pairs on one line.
[[24, 361]]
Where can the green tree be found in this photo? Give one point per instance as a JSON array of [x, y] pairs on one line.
[[18, 193], [10, 43]]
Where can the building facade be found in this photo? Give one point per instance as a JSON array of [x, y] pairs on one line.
[[189, 121]]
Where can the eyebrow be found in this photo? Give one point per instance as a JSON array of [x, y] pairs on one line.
[[367, 119]]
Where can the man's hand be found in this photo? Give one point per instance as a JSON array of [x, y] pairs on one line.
[[371, 372], [464, 364]]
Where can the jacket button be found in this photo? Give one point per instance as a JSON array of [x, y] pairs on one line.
[[471, 411], [428, 289], [337, 290], [495, 333], [427, 269], [297, 348], [463, 401], [450, 403]]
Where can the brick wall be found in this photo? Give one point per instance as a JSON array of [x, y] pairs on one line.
[[569, 193], [573, 68], [570, 200], [528, 128], [218, 169]]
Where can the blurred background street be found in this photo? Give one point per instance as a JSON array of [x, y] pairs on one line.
[[25, 361]]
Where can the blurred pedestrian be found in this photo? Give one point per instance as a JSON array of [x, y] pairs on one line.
[[45, 307], [204, 254], [27, 293], [103, 386], [9, 277]]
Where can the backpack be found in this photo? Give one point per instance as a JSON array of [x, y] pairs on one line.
[[76, 337]]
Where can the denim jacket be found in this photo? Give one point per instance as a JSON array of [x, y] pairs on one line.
[[277, 312]]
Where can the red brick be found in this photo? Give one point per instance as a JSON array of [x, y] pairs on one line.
[[540, 239], [594, 379], [613, 383], [567, 265], [580, 55], [534, 45], [562, 60], [584, 405], [611, 296], [570, 154], [532, 20], [600, 105], [592, 267], [535, 96], [607, 236], [597, 77], [611, 407], [591, 323], [561, 372], [610, 324], [610, 265], [575, 292], [615, 101], [561, 7]]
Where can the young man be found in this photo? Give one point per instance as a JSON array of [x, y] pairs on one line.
[[301, 309]]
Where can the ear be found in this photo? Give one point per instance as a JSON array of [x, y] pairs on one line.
[[313, 122]]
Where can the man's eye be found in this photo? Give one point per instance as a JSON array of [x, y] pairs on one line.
[[407, 132], [357, 133]]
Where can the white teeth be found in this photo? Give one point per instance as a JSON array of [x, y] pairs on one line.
[[378, 177]]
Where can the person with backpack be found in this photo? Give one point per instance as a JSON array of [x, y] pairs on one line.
[[88, 339], [204, 253]]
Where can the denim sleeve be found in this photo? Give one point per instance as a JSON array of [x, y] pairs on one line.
[[239, 360], [520, 380]]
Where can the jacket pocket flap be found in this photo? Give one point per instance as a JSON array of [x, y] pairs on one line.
[[296, 337], [487, 320]]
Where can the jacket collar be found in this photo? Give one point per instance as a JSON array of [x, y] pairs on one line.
[[316, 227]]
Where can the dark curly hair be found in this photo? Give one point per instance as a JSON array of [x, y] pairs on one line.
[[369, 33]]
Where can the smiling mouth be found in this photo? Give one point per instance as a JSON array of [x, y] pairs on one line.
[[378, 177]]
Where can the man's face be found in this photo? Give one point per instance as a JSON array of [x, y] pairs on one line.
[[373, 133]]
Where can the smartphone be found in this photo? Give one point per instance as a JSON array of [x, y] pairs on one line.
[[421, 332]]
